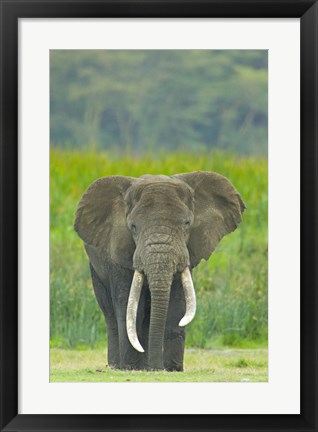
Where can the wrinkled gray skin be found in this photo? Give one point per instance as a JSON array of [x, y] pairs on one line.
[[157, 225]]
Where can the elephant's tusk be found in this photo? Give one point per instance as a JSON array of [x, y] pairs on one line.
[[132, 306], [189, 295]]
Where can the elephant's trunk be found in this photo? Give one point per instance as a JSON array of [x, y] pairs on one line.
[[159, 265], [160, 285]]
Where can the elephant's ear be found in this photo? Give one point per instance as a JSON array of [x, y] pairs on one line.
[[218, 211], [101, 219]]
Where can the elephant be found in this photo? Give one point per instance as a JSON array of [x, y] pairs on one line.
[[143, 236]]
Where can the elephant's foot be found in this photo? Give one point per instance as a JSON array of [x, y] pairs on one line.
[[113, 366], [168, 369], [154, 369], [126, 367], [178, 368], [133, 363], [133, 368]]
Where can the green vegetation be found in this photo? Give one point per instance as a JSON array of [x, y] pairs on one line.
[[200, 366], [154, 99], [231, 287]]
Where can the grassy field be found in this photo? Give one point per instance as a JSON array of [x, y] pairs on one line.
[[200, 366], [231, 287]]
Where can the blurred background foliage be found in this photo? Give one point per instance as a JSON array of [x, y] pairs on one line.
[[145, 100], [137, 112]]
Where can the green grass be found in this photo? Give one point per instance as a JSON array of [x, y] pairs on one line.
[[231, 287], [200, 366]]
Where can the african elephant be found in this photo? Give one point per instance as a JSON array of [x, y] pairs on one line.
[[143, 236]]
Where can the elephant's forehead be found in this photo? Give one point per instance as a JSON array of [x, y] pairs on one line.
[[159, 179], [159, 189], [155, 178], [161, 183]]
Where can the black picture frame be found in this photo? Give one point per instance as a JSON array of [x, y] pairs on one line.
[[11, 11]]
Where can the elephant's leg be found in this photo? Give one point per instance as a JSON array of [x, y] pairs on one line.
[[175, 335], [129, 357], [105, 302]]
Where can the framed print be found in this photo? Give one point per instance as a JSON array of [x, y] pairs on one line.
[[135, 136]]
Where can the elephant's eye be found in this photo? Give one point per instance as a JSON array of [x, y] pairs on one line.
[[187, 223], [133, 228]]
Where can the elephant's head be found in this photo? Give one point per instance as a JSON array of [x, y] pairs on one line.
[[158, 226]]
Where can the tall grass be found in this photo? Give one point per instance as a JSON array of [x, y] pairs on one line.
[[231, 287]]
